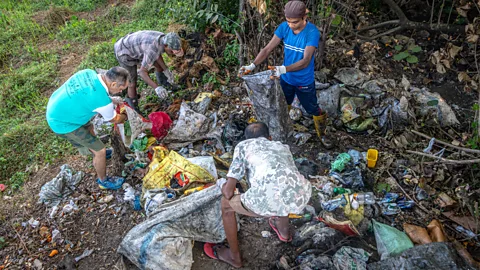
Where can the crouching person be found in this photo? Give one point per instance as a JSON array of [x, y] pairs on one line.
[[71, 107], [276, 189]]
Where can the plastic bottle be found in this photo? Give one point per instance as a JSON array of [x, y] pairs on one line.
[[341, 190], [363, 198], [334, 204]]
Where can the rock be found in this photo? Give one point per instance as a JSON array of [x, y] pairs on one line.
[[439, 256], [351, 76]]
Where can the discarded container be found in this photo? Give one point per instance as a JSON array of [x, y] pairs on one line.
[[364, 198], [53, 253], [334, 204], [340, 190], [372, 156]]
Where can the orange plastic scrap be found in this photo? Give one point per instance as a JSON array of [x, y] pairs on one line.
[[53, 253]]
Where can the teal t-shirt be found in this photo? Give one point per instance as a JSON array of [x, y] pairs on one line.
[[72, 105]]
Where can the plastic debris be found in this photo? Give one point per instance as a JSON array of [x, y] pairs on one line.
[[105, 199], [466, 232], [390, 241], [432, 104], [53, 253], [349, 258], [351, 76], [61, 186], [334, 203], [328, 99], [33, 222], [87, 252], [340, 162], [266, 234], [269, 103], [345, 227]]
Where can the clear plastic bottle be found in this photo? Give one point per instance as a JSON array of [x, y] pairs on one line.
[[364, 198]]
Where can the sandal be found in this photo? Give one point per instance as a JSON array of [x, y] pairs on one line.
[[210, 250], [270, 222]]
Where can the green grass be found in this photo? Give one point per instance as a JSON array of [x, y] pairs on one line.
[[29, 65]]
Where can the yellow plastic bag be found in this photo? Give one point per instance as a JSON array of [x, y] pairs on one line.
[[166, 164]]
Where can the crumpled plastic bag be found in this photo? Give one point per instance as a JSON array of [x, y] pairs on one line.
[[206, 162], [349, 258], [101, 127], [351, 76], [432, 104], [165, 239], [269, 104], [328, 99], [202, 102], [55, 190], [390, 241], [169, 165], [190, 127]]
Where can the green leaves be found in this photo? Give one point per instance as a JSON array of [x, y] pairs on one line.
[[401, 56], [407, 54], [412, 59]]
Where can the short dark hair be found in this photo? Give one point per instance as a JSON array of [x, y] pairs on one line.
[[256, 130], [117, 74]]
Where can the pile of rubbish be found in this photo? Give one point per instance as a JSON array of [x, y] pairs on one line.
[[358, 218]]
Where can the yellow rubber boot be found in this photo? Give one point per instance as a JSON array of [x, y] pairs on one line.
[[320, 123], [289, 107]]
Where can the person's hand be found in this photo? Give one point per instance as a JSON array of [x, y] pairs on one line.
[[161, 92], [246, 70], [169, 75], [278, 70], [117, 100]]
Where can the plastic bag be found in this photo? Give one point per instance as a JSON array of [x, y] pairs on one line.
[[390, 241], [329, 99], [269, 104], [167, 168], [349, 258], [206, 162], [161, 123]]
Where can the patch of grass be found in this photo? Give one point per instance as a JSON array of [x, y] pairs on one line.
[[20, 90], [78, 30], [100, 55], [25, 144]]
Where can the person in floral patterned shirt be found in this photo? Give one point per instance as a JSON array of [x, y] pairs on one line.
[[277, 189]]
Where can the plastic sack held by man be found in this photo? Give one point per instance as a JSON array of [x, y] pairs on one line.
[[297, 77]]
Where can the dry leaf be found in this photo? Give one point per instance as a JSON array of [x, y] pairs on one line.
[[446, 63], [441, 68], [454, 50], [462, 12], [472, 38], [463, 77], [405, 83], [261, 5]]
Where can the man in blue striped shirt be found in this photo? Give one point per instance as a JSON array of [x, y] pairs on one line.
[[300, 39]]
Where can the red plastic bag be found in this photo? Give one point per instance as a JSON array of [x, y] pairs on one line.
[[161, 123]]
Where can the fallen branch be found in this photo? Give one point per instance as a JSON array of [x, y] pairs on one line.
[[408, 196], [406, 24], [445, 143], [444, 160]]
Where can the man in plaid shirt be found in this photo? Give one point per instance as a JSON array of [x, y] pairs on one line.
[[145, 48]]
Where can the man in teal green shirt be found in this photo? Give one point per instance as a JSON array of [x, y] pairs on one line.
[[71, 107]]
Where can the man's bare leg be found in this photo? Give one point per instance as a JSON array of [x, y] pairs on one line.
[[230, 255], [100, 163], [132, 89]]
